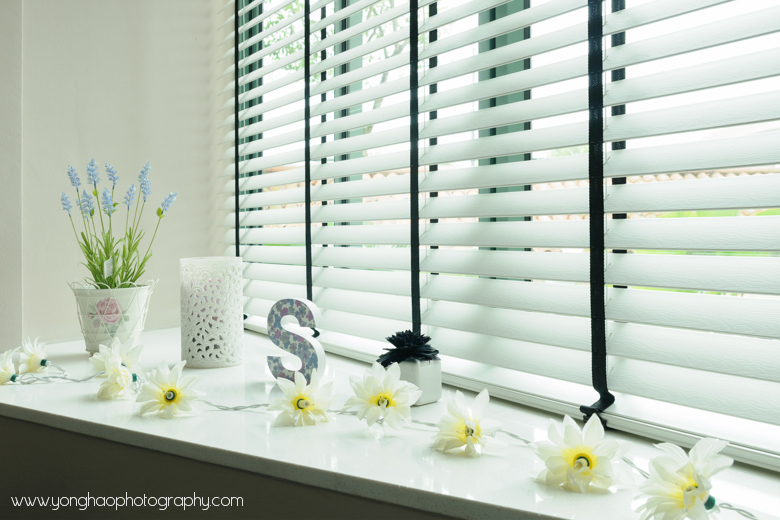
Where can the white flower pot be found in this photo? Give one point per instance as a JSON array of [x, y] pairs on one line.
[[105, 314], [426, 375]]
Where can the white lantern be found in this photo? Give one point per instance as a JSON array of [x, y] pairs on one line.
[[212, 315]]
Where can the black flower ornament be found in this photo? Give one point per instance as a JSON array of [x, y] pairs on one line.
[[408, 345]]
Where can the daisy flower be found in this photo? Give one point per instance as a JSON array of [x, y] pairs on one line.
[[465, 426], [31, 357], [118, 381], [168, 393], [381, 394], [125, 351], [577, 459], [679, 484], [302, 404], [7, 369]]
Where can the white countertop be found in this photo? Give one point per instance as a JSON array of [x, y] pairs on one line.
[[344, 455]]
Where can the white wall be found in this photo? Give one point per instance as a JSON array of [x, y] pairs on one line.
[[11, 296], [125, 82]]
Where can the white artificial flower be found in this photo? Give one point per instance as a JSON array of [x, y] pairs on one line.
[[577, 459], [7, 368], [168, 393], [381, 394], [126, 352], [679, 484], [465, 426], [31, 357], [118, 380], [302, 404]]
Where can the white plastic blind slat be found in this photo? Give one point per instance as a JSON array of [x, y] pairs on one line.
[[721, 32], [284, 22], [732, 315], [696, 234], [548, 329], [704, 273], [754, 66], [356, 30], [502, 26], [700, 116]]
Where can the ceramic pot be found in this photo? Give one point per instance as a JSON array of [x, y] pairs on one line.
[[426, 375], [105, 314]]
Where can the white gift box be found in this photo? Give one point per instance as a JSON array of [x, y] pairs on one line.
[[426, 375]]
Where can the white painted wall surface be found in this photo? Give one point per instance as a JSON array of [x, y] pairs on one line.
[[125, 82], [11, 294]]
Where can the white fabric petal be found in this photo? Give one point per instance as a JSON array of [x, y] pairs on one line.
[[593, 431], [571, 432], [479, 407]]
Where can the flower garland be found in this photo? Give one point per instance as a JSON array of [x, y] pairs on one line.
[[677, 486]]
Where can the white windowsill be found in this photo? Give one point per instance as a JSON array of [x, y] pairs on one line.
[[399, 468]]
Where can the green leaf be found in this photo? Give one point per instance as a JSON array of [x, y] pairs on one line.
[[95, 193], [116, 204], [159, 212]]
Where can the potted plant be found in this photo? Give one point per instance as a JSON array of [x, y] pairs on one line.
[[419, 363], [111, 303]]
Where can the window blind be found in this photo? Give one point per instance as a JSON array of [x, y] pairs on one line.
[[505, 218]]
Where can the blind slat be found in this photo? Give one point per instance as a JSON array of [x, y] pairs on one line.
[[695, 234], [692, 39], [738, 274], [748, 316], [504, 25], [755, 108], [548, 329]]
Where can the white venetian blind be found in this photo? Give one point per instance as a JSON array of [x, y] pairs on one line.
[[359, 80], [692, 228], [695, 317]]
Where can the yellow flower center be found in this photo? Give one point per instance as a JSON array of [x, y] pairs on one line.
[[171, 396], [464, 431], [688, 492], [580, 457], [301, 402], [383, 400]]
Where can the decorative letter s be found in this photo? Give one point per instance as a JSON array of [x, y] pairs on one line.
[[307, 349]]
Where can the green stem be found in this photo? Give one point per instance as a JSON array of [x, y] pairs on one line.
[[159, 219], [136, 211], [97, 200], [83, 218], [94, 229], [74, 228]]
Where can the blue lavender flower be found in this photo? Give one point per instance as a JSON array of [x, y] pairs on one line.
[[166, 203], [143, 180], [107, 203], [92, 173], [66, 203], [130, 196], [146, 188], [87, 204], [112, 176], [144, 173], [74, 177]]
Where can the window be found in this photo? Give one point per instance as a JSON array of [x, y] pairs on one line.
[[496, 184]]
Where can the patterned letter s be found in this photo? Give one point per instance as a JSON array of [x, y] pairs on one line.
[[307, 349]]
